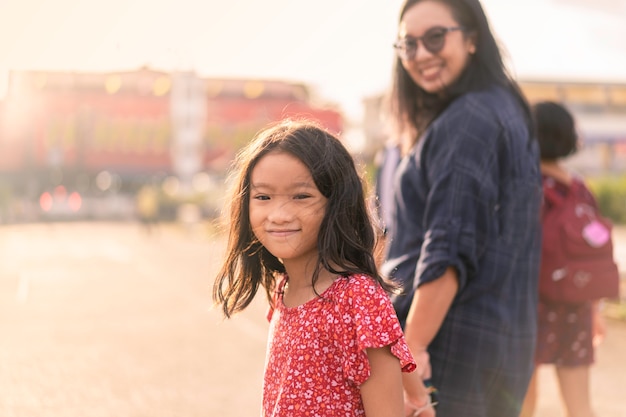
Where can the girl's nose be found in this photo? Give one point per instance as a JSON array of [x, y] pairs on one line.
[[282, 212]]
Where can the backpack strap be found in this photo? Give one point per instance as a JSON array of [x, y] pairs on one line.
[[551, 195], [577, 186], [576, 189]]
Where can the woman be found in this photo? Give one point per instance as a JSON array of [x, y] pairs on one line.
[[465, 242]]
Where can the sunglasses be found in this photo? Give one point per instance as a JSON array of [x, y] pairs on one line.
[[433, 41]]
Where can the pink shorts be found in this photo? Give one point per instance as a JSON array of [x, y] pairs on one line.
[[564, 336]]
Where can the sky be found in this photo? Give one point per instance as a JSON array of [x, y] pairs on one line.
[[342, 48]]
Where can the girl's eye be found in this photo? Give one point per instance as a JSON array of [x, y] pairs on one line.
[[301, 196], [261, 197]]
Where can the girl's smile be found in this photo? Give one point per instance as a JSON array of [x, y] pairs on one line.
[[282, 233]]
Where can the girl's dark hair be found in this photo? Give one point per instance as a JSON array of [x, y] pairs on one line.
[[414, 108], [346, 238], [556, 130]]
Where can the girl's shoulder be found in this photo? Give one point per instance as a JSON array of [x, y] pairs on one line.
[[354, 279], [356, 285]]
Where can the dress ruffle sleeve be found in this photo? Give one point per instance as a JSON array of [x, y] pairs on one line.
[[368, 320]]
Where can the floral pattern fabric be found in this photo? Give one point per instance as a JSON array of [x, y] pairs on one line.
[[316, 358], [565, 335]]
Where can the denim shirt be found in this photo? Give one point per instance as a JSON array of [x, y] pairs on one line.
[[468, 196]]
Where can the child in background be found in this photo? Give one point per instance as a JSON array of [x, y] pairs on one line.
[[566, 333], [300, 228]]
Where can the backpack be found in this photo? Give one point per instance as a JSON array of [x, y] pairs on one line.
[[577, 262]]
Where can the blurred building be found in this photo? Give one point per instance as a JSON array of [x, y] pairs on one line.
[[599, 108], [93, 132], [600, 112]]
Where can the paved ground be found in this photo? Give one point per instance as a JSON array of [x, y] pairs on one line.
[[104, 320]]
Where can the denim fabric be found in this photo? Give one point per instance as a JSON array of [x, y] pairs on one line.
[[468, 196]]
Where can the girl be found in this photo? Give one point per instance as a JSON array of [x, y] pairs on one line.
[[465, 239], [567, 333], [299, 227]]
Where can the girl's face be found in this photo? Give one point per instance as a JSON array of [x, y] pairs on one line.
[[286, 208], [434, 71]]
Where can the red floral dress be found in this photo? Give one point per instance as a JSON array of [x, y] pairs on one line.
[[316, 357]]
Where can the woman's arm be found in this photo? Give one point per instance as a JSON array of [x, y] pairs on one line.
[[382, 392], [431, 303]]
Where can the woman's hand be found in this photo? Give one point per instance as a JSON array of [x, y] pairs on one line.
[[417, 396], [421, 408]]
